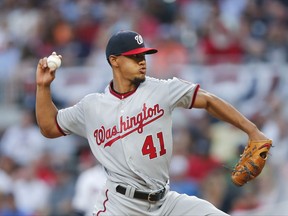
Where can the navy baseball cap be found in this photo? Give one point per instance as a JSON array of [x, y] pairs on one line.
[[127, 43]]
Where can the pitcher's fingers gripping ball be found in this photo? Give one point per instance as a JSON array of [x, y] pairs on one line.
[[54, 61], [251, 162]]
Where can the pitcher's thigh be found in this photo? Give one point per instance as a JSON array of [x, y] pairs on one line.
[[182, 204]]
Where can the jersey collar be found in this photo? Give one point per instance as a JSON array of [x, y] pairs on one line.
[[119, 95]]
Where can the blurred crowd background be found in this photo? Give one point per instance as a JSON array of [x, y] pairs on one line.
[[236, 49]]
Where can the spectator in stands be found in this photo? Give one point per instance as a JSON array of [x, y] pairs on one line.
[[23, 141]]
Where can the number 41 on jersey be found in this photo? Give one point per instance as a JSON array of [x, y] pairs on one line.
[[149, 148]]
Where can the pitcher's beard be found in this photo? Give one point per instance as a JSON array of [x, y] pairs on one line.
[[137, 81]]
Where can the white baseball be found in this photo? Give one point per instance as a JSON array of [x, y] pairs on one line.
[[54, 61]]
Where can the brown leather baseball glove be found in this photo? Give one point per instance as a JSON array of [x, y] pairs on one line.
[[251, 162]]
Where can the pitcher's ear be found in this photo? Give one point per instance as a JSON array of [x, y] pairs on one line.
[[113, 60]]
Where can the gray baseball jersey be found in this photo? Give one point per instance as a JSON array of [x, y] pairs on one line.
[[131, 134]]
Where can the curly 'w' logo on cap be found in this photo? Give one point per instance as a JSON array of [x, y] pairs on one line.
[[139, 39]]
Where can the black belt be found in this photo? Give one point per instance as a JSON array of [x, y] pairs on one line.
[[151, 197]]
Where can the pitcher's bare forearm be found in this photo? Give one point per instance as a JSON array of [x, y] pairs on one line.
[[46, 113], [222, 110]]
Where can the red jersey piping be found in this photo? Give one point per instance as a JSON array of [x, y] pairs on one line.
[[194, 96], [119, 95], [58, 126], [104, 204]]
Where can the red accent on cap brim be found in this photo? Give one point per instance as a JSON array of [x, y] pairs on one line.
[[140, 50]]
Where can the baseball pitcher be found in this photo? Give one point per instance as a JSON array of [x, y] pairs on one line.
[[129, 130]]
